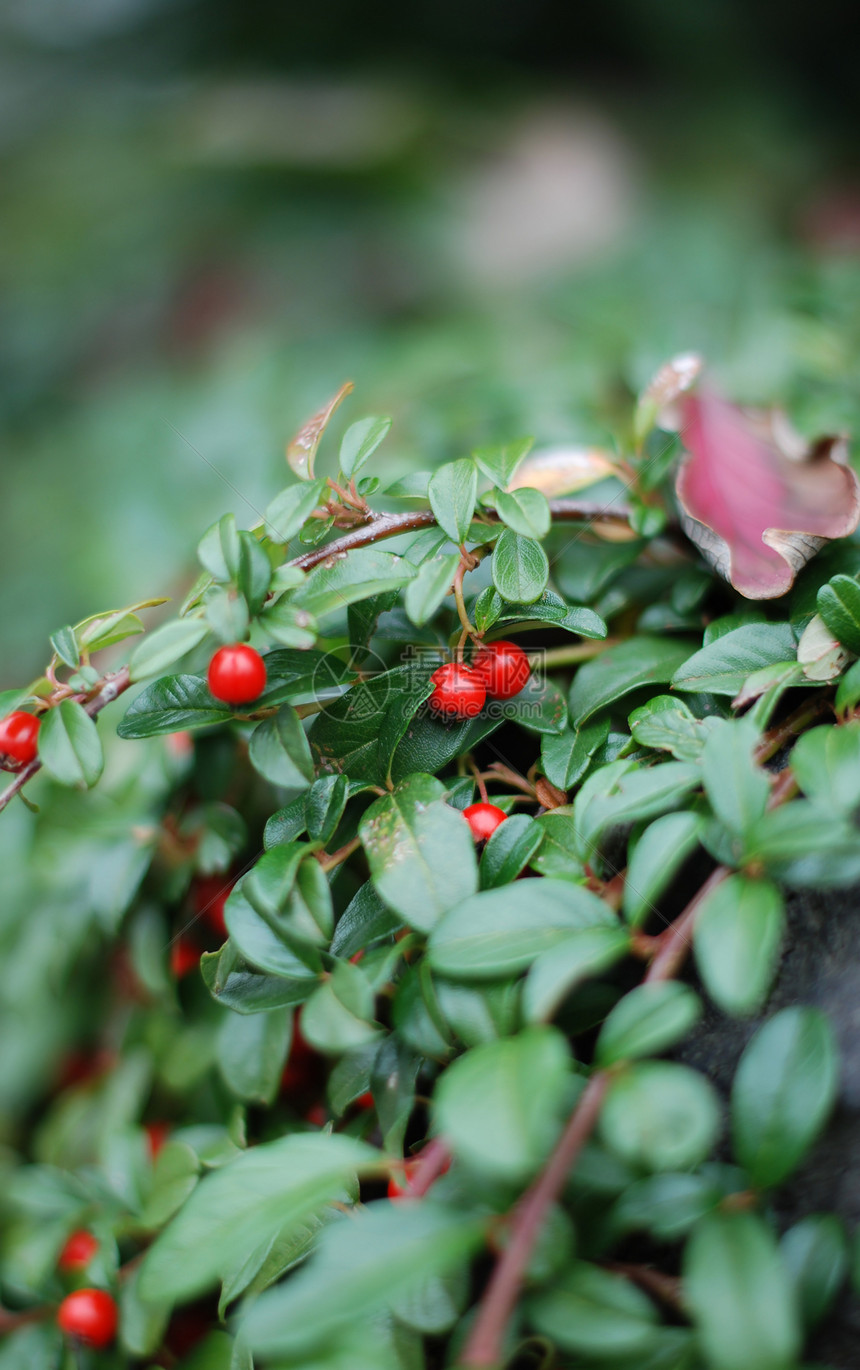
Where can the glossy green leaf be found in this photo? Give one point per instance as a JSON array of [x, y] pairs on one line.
[[339, 1015], [839, 605], [452, 492], [667, 724], [376, 1255], [65, 645], [509, 851], [274, 1186], [359, 443], [646, 1021], [634, 794], [737, 788], [172, 704], [500, 463], [286, 513], [806, 844], [251, 1053], [737, 940], [236, 986], [593, 1313], [639, 662], [783, 1091], [364, 919], [366, 571], [559, 969], [520, 568], [70, 748], [325, 802], [279, 750], [661, 1116], [739, 1293], [290, 625], [815, 1253], [501, 931], [654, 862], [826, 764], [359, 733], [501, 1105], [565, 756], [525, 511], [426, 592], [420, 851], [723, 665]]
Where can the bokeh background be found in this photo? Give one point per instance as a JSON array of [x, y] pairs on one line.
[[496, 218]]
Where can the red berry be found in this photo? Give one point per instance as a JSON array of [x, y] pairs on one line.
[[503, 667], [459, 692], [401, 1188], [317, 1115], [156, 1135], [78, 1251], [364, 1101], [184, 957], [237, 674], [88, 1316], [18, 736], [483, 819]]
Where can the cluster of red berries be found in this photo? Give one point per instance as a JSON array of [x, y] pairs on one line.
[[19, 737], [237, 674], [498, 671]]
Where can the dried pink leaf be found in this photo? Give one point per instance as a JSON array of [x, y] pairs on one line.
[[563, 470], [755, 512], [301, 452]]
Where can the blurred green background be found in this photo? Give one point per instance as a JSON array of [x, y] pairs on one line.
[[495, 218]]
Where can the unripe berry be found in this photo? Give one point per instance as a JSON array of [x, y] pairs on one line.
[[483, 819], [503, 667], [459, 692], [237, 674], [78, 1251], [19, 732], [88, 1316]]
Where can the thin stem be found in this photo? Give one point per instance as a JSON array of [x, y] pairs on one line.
[[676, 941], [432, 1160], [467, 624], [484, 1346], [479, 781], [380, 526], [771, 742], [328, 863], [569, 656]]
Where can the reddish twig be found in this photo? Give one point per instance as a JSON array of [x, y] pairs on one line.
[[675, 942], [484, 1346]]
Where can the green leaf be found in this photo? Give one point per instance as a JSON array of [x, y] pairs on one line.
[[280, 752], [452, 492], [520, 568], [593, 1313], [175, 1176], [646, 1021], [166, 645], [170, 705], [262, 944], [655, 861], [661, 1116], [141, 1325], [251, 1053], [271, 1189], [289, 625], [557, 971], [359, 733], [509, 851], [339, 1015], [558, 854], [428, 744], [499, 464], [65, 645], [420, 851], [826, 764], [783, 1091], [70, 748], [364, 919], [500, 1105], [724, 664], [236, 987], [550, 608], [392, 1081], [360, 441], [740, 1295], [290, 508], [737, 788], [525, 511], [815, 1254], [632, 665], [426, 592], [635, 794], [804, 844], [412, 486], [666, 1205], [218, 549], [253, 571], [324, 804], [848, 691], [839, 605], [566, 757], [378, 1254], [667, 724], [498, 932], [539, 706], [364, 572], [737, 940]]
